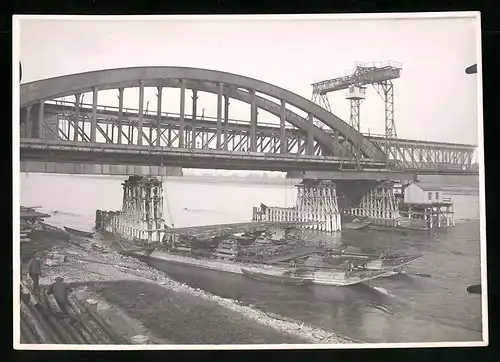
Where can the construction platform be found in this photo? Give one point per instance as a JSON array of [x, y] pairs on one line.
[[211, 231]]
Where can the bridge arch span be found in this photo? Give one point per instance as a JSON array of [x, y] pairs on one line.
[[67, 85]]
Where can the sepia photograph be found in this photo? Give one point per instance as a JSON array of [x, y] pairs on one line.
[[239, 182]]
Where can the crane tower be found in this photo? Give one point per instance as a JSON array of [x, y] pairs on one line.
[[380, 76]]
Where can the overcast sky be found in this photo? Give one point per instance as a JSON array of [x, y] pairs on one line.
[[434, 98]]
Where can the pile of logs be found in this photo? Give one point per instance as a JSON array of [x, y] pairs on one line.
[[42, 321]]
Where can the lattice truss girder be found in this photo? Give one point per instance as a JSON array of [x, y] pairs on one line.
[[238, 139], [417, 156], [386, 91]]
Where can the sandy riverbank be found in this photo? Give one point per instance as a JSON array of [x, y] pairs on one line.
[[138, 299]]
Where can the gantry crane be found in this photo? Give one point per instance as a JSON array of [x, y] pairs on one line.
[[380, 76]]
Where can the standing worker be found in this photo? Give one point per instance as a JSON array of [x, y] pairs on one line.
[[60, 291], [34, 271]]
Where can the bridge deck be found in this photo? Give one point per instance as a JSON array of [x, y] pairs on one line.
[[69, 151]]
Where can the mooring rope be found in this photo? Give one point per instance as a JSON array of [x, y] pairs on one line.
[[168, 204]]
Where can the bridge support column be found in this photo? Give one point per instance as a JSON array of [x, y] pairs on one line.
[[182, 110], [93, 123], [226, 122], [120, 115], [77, 118], [193, 123], [253, 123], [310, 135], [27, 123], [40, 120], [219, 116], [140, 133], [283, 142]]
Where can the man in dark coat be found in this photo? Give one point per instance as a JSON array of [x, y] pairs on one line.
[[60, 291], [35, 270]]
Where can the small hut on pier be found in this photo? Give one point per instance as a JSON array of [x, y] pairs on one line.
[[427, 201]]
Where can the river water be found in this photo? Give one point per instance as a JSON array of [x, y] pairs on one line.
[[428, 304]]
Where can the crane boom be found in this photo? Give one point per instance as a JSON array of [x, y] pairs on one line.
[[363, 74]]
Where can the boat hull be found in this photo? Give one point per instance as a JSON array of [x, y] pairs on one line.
[[474, 289], [329, 277], [281, 279], [356, 225], [78, 232], [371, 262]]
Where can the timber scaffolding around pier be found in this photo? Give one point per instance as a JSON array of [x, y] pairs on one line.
[[322, 205], [316, 208]]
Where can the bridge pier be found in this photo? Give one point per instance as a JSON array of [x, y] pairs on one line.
[[374, 200], [316, 205], [141, 217]]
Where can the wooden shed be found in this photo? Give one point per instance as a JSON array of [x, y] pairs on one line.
[[423, 193]]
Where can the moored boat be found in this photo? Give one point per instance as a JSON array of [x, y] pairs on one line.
[[79, 232], [332, 276], [474, 289], [354, 222], [270, 260], [356, 225], [380, 261], [282, 279]]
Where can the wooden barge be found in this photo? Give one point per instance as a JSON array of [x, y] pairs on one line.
[[272, 261], [332, 276], [263, 249]]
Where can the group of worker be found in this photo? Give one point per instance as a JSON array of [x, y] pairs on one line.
[[58, 289]]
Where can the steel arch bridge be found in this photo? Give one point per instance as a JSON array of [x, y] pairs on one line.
[[74, 131]]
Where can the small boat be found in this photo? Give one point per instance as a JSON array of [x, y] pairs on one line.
[[369, 261], [354, 222], [282, 279], [79, 232], [474, 289], [356, 225]]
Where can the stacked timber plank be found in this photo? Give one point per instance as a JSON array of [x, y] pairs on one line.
[[42, 321]]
